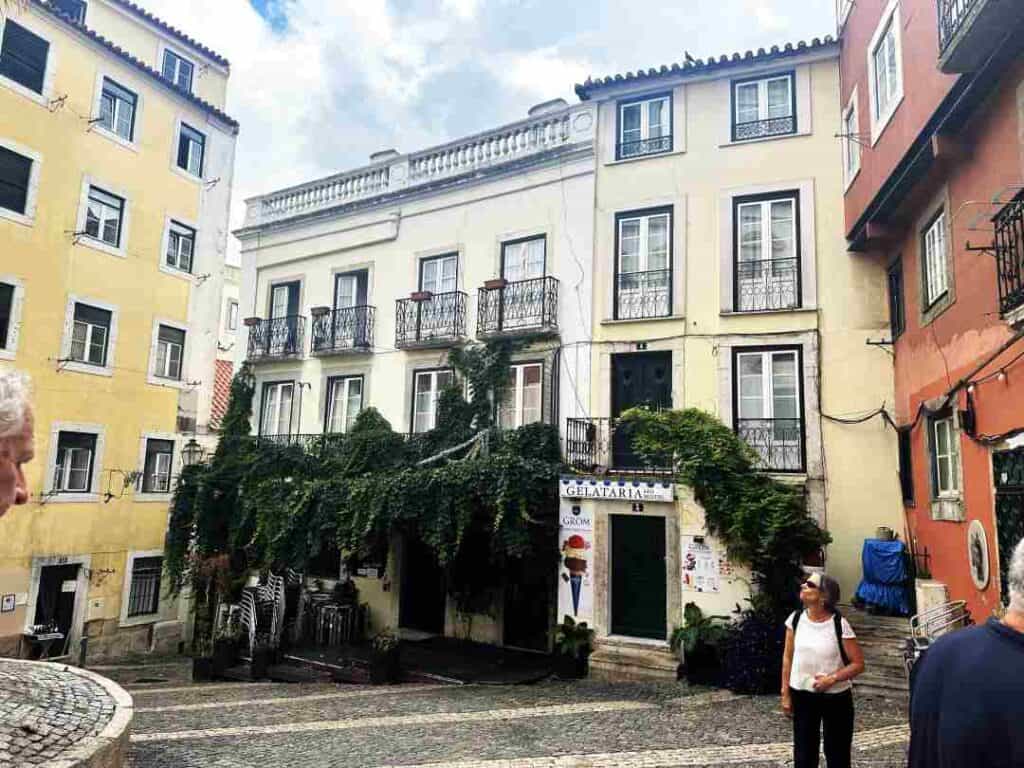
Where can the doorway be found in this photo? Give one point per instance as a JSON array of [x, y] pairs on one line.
[[423, 595], [528, 593], [638, 576], [639, 378], [55, 600], [1009, 481]]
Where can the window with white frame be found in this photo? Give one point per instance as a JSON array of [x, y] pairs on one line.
[[181, 243], [522, 404], [645, 126], [232, 315], [769, 407], [439, 274], [170, 348], [427, 388], [643, 267], [144, 591], [178, 70], [191, 149], [945, 444], [15, 177], [74, 462], [117, 109], [764, 107], [851, 140], [6, 313], [523, 259], [276, 416], [156, 472], [936, 254], [344, 402], [104, 217], [23, 56], [767, 252], [90, 335], [886, 71]]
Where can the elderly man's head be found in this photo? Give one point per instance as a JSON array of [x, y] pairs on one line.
[[1015, 579], [16, 438]]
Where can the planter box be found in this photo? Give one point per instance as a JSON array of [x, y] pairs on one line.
[[260, 664], [202, 669], [704, 667], [385, 667], [496, 284], [421, 295], [572, 667], [225, 653]]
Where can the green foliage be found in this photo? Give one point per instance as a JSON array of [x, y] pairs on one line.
[[573, 639], [762, 522], [699, 629]]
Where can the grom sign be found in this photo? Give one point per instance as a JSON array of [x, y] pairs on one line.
[[616, 490]]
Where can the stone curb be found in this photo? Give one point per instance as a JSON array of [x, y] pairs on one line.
[[109, 748]]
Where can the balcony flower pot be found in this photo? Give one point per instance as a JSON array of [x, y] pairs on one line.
[[573, 645], [319, 311], [496, 284], [385, 659], [421, 295], [249, 322]]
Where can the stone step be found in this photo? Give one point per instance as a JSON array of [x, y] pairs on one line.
[[621, 661]]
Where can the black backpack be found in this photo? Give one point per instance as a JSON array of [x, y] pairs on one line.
[[837, 620]]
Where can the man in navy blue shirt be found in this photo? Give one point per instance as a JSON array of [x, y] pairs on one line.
[[967, 698]]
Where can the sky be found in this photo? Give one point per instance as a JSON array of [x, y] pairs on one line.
[[319, 85]]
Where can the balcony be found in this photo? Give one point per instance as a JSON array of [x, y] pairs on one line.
[[599, 445], [762, 286], [629, 149], [640, 295], [339, 331], [314, 444], [1009, 247], [764, 129], [779, 442], [522, 308], [430, 320], [277, 338], [971, 30]]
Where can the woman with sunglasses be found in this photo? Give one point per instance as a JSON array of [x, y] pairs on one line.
[[822, 656]]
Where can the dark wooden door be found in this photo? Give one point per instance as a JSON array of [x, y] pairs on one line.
[[528, 594], [1009, 481], [53, 604], [638, 576], [641, 378], [423, 595]]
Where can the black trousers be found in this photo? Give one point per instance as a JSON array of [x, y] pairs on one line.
[[810, 712]]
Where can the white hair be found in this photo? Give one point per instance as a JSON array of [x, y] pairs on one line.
[[14, 402], [1015, 578]]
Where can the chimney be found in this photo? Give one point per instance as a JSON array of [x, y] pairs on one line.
[[546, 107]]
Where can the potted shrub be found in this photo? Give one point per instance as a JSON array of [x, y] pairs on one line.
[[699, 643], [202, 660], [385, 662], [261, 655], [573, 644], [225, 645]]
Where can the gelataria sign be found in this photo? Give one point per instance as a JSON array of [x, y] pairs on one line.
[[616, 490]]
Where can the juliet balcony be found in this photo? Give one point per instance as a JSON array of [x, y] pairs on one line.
[[278, 338], [642, 295], [763, 286], [778, 442], [1009, 248], [430, 320], [520, 308], [342, 331], [972, 30]]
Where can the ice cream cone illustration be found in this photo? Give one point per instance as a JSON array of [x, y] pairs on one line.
[[575, 553]]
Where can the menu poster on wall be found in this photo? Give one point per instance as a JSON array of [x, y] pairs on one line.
[[700, 565], [575, 577]]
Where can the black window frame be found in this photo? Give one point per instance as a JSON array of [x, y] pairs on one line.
[[7, 293], [177, 57], [188, 135], [439, 257], [18, 190], [232, 318], [73, 9], [108, 325], [117, 92], [788, 194], [149, 565], [645, 212], [519, 241], [22, 66], [329, 399], [153, 444], [623, 103], [734, 84], [66, 436], [897, 299], [905, 448]]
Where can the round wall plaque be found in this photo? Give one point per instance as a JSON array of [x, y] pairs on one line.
[[977, 554]]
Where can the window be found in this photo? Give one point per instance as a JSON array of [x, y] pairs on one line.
[[178, 70], [15, 173], [428, 386], [897, 313], [523, 259], [6, 311], [73, 470], [90, 335], [344, 402], [73, 9], [934, 249], [522, 403], [887, 78], [906, 465], [23, 56], [232, 315], [277, 408], [156, 473], [645, 127], [439, 274], [181, 243], [643, 264], [767, 251], [170, 345], [104, 217], [144, 593], [851, 140], [764, 107], [191, 148], [117, 109], [769, 406], [945, 444]]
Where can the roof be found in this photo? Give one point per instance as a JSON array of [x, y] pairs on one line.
[[698, 67], [142, 13], [140, 65]]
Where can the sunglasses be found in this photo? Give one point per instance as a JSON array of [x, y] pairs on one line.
[[809, 585]]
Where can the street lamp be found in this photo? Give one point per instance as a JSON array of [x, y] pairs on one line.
[[192, 453]]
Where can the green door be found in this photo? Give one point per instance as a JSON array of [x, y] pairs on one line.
[[638, 576]]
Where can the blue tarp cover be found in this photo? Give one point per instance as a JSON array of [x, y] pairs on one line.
[[885, 575]]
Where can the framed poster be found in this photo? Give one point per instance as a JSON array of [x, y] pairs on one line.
[[7, 604], [701, 567]]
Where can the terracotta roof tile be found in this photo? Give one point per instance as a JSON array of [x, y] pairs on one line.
[[173, 31], [223, 372]]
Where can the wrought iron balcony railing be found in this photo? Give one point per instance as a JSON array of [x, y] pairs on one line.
[[641, 295], [767, 285], [430, 320], [343, 330], [276, 337], [779, 442], [762, 129], [628, 149], [599, 444], [521, 307], [1009, 239], [952, 15], [311, 443]]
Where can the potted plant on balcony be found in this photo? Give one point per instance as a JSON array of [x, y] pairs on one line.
[[699, 643], [573, 644], [421, 295], [385, 659]]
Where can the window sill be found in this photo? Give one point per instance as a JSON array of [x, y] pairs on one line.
[[91, 370], [138, 621], [186, 174], [116, 138], [749, 312], [930, 314], [761, 139], [633, 321], [41, 99], [188, 277], [72, 498], [17, 218], [160, 381], [146, 498], [98, 245], [649, 156], [879, 125], [948, 510]]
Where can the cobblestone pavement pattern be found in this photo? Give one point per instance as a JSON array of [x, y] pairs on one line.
[[549, 725], [44, 712]]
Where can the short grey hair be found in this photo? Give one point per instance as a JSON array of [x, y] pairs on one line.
[[830, 590], [1015, 578], [14, 402]]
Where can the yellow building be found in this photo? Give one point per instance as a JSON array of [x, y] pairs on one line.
[[115, 179]]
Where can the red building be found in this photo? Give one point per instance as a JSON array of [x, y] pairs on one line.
[[933, 144]]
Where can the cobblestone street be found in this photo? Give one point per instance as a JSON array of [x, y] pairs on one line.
[[549, 725]]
